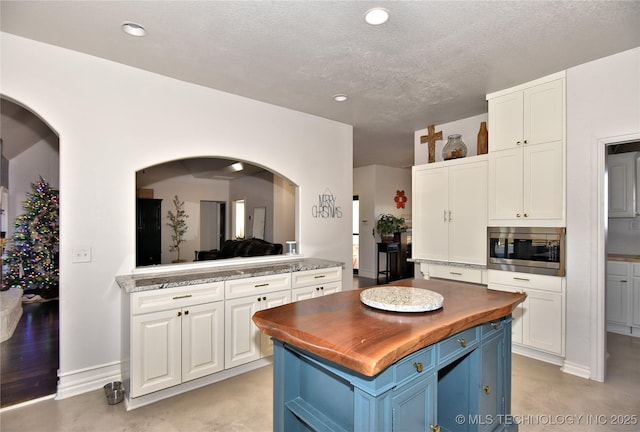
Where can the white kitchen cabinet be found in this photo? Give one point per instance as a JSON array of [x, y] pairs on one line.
[[622, 294], [243, 341], [621, 170], [538, 327], [449, 213], [526, 154], [315, 283], [617, 292], [175, 336]]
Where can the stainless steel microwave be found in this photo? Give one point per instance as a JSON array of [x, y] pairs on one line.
[[528, 250]]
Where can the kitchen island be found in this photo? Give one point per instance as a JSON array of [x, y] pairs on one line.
[[342, 366]]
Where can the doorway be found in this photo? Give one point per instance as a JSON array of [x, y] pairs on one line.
[[356, 234], [212, 224]]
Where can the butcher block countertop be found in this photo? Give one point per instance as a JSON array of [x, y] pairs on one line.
[[623, 257], [339, 328]]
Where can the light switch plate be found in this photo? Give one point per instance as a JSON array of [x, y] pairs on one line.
[[81, 254]]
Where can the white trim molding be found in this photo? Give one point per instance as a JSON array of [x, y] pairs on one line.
[[576, 369], [597, 310], [85, 380]]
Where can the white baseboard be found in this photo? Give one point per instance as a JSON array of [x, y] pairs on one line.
[[538, 355], [85, 380], [367, 274], [133, 403], [576, 369]]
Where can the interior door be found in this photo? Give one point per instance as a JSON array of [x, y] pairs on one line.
[[212, 224]]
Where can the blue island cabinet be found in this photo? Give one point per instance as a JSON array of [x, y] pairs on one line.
[[461, 383]]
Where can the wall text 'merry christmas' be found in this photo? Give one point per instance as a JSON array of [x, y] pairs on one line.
[[326, 207]]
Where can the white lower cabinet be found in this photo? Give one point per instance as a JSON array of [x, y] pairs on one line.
[[316, 283], [178, 339], [173, 345], [622, 294], [538, 327], [243, 341]]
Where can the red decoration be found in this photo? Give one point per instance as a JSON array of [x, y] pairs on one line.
[[400, 199]]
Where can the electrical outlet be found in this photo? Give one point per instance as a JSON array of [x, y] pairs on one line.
[[81, 254]]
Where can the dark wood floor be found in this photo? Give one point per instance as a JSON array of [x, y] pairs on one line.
[[29, 360]]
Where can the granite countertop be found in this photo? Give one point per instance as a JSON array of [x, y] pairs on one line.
[[447, 263], [624, 257], [170, 279]]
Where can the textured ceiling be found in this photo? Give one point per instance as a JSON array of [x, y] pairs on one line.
[[431, 63]]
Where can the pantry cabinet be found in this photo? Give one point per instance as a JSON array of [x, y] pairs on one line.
[[621, 171], [449, 213], [526, 184]]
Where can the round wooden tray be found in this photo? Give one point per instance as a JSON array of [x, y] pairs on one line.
[[401, 299]]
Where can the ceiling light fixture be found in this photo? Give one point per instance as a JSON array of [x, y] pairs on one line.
[[340, 97], [237, 166], [376, 16], [133, 29]]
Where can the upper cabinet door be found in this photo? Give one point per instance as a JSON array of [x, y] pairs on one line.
[[506, 121], [544, 113], [431, 213], [621, 169]]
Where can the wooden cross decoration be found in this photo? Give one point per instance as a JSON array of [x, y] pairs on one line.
[[430, 138]]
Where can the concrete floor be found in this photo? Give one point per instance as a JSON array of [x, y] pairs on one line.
[[542, 398]]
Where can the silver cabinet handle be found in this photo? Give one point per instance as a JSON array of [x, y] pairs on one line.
[[521, 279], [444, 213], [449, 215]]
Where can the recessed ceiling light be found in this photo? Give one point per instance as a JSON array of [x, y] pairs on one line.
[[340, 97], [376, 16], [237, 166], [133, 29]]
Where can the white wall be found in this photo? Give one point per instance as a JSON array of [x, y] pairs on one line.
[[376, 187], [256, 191], [284, 215], [113, 120], [191, 191], [41, 159], [467, 127], [603, 100]]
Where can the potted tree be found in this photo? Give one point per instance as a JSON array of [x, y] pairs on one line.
[[178, 224], [388, 224]]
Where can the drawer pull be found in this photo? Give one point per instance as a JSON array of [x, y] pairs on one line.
[[418, 366], [486, 389], [261, 285], [319, 288], [435, 428], [495, 325], [462, 342], [456, 273], [319, 276], [182, 296], [521, 279]]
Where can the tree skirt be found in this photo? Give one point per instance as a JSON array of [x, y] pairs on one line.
[[10, 312]]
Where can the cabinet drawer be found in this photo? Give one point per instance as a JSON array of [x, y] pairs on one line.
[[170, 298], [414, 364], [618, 268], [519, 282], [313, 277], [495, 326], [236, 288], [462, 274], [456, 344]]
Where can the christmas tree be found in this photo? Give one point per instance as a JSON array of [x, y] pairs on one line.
[[32, 255]]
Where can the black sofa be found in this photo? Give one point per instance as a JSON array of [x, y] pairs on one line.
[[241, 248]]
